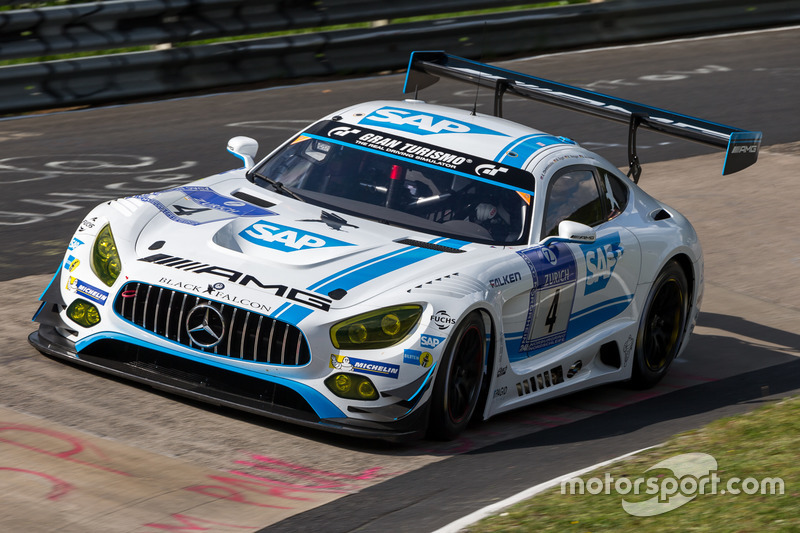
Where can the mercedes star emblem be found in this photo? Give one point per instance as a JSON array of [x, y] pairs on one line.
[[205, 326]]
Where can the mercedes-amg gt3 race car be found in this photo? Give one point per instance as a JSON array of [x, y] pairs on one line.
[[395, 268]]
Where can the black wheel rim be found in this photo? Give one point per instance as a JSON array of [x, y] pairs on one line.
[[663, 328], [465, 374]]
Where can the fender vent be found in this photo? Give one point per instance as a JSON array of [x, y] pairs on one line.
[[546, 379], [430, 246], [609, 354], [660, 214]]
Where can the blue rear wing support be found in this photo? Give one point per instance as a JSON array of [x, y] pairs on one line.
[[426, 68]]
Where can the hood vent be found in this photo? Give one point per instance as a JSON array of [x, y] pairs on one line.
[[255, 200], [430, 246]]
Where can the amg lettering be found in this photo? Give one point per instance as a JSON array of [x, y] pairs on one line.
[[230, 275], [280, 290], [309, 299]]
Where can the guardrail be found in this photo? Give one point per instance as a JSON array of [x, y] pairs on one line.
[[115, 24]]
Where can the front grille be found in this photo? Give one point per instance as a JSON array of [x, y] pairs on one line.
[[217, 328]]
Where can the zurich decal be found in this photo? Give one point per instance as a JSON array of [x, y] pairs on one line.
[[286, 239], [602, 257], [422, 123]]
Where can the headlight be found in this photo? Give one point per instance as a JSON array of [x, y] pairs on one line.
[[352, 387], [105, 260], [83, 313], [376, 329]]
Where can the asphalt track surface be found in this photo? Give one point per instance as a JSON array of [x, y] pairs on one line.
[[81, 452]]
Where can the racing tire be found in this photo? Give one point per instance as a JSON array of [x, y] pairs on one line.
[[662, 327], [459, 381]]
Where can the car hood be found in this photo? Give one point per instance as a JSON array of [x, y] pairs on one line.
[[251, 237]]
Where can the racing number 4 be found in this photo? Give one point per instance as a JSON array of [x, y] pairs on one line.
[[552, 313]]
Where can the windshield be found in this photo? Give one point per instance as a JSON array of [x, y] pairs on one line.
[[393, 189]]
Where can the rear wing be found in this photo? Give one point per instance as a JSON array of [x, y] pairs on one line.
[[425, 69]]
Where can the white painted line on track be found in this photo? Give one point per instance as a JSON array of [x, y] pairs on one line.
[[654, 43], [458, 525]]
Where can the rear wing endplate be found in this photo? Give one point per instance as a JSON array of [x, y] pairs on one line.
[[425, 69]]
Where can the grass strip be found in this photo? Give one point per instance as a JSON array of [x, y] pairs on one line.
[[752, 453]]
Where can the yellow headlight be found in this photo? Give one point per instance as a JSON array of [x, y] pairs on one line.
[[376, 329], [352, 387], [83, 313], [105, 259]]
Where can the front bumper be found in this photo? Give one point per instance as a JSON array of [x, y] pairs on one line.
[[217, 386]]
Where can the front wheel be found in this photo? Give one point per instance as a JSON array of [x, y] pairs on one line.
[[458, 382], [662, 327]]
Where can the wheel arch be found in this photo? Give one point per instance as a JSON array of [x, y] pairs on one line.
[[493, 354], [687, 266]]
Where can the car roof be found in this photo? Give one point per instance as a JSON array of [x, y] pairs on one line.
[[459, 130]]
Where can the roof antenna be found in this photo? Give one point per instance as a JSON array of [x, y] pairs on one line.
[[416, 91], [478, 88]]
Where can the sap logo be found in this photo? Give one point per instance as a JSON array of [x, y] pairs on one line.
[[429, 341], [489, 170], [601, 259], [286, 239], [749, 149], [421, 123]]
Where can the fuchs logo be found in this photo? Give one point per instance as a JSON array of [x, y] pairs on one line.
[[422, 123], [601, 258], [287, 239], [442, 319], [429, 341]]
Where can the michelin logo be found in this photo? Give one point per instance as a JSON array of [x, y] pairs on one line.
[[285, 238], [89, 292], [351, 364]]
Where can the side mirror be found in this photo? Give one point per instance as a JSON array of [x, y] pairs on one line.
[[569, 231], [245, 149]]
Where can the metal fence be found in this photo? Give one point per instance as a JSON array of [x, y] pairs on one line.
[[185, 66]]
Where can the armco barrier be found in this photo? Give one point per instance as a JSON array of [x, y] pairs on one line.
[[121, 76]]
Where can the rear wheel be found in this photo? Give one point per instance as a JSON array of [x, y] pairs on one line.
[[662, 327], [458, 382]]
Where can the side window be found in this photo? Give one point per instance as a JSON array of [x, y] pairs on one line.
[[615, 191], [573, 195]]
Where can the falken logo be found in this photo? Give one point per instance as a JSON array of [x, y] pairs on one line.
[[422, 123], [286, 239], [601, 259]]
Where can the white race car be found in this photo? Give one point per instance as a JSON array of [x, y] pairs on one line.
[[395, 268]]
